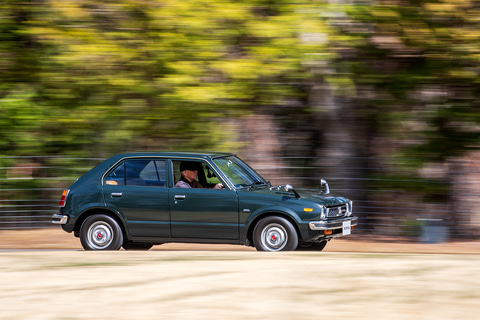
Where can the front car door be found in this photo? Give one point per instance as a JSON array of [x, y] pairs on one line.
[[203, 213]]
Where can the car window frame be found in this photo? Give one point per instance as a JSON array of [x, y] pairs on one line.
[[223, 180], [123, 161]]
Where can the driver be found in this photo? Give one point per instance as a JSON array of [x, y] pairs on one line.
[[189, 177]]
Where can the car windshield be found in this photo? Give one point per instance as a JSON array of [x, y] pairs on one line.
[[239, 172]]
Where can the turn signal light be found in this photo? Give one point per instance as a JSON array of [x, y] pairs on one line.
[[63, 199], [327, 232]]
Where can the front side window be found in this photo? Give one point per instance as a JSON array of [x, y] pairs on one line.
[[139, 172], [206, 176]]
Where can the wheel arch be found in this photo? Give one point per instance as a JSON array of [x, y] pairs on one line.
[[93, 211], [271, 213]]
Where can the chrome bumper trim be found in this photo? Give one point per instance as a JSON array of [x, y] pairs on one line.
[[59, 219], [332, 225]]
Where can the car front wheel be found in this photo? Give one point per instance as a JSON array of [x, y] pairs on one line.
[[101, 232], [275, 234]]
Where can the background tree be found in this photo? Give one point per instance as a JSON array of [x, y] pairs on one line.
[[415, 67], [365, 86], [163, 74]]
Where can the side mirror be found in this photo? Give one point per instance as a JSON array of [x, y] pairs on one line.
[[324, 183], [289, 188]]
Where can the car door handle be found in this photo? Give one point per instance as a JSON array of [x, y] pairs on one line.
[[117, 194], [180, 197]]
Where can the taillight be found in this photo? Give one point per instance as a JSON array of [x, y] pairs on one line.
[[63, 199]]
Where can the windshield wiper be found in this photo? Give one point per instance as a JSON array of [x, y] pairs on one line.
[[256, 183]]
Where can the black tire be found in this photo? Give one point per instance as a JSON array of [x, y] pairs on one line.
[[275, 234], [312, 246], [137, 246], [101, 232]]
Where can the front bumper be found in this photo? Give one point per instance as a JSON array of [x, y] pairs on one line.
[[332, 225], [59, 219]]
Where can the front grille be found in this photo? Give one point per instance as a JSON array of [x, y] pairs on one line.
[[337, 211]]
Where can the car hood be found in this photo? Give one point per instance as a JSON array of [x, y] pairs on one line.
[[306, 194], [317, 196]]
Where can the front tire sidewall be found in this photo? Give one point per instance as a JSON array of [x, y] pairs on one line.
[[101, 232], [275, 234]]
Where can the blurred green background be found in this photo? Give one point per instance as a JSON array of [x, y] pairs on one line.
[[387, 89]]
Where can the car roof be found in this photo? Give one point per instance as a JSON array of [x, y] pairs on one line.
[[172, 154]]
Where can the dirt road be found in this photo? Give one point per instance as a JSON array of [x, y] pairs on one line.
[[73, 284], [56, 238], [41, 279]]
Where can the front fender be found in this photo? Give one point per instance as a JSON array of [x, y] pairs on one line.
[[252, 219], [300, 222], [272, 210]]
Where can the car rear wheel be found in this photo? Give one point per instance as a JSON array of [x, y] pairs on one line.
[[101, 232], [275, 234]]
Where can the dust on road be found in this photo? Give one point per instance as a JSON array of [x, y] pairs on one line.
[[71, 284], [56, 238], [45, 280]]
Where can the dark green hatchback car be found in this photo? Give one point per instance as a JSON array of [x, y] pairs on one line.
[[138, 200]]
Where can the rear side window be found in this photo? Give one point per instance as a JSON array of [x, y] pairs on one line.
[[154, 173], [141, 172], [117, 176]]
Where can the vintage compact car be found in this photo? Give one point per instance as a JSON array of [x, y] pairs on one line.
[[136, 201]]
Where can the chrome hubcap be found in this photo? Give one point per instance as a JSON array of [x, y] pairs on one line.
[[274, 237], [100, 235]]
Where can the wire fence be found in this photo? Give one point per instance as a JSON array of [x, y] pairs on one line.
[[30, 189]]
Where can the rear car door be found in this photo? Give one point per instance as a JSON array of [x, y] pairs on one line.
[[137, 188]]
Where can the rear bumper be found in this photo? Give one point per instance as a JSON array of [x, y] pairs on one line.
[[332, 225], [59, 219]]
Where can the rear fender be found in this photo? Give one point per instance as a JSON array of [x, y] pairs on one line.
[[99, 209]]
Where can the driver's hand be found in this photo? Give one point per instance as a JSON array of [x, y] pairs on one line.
[[218, 186]]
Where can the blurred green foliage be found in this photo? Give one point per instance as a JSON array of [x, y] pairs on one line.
[[98, 77], [93, 78], [89, 78], [417, 61]]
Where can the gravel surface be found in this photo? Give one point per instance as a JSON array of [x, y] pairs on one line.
[[44, 274], [56, 238]]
